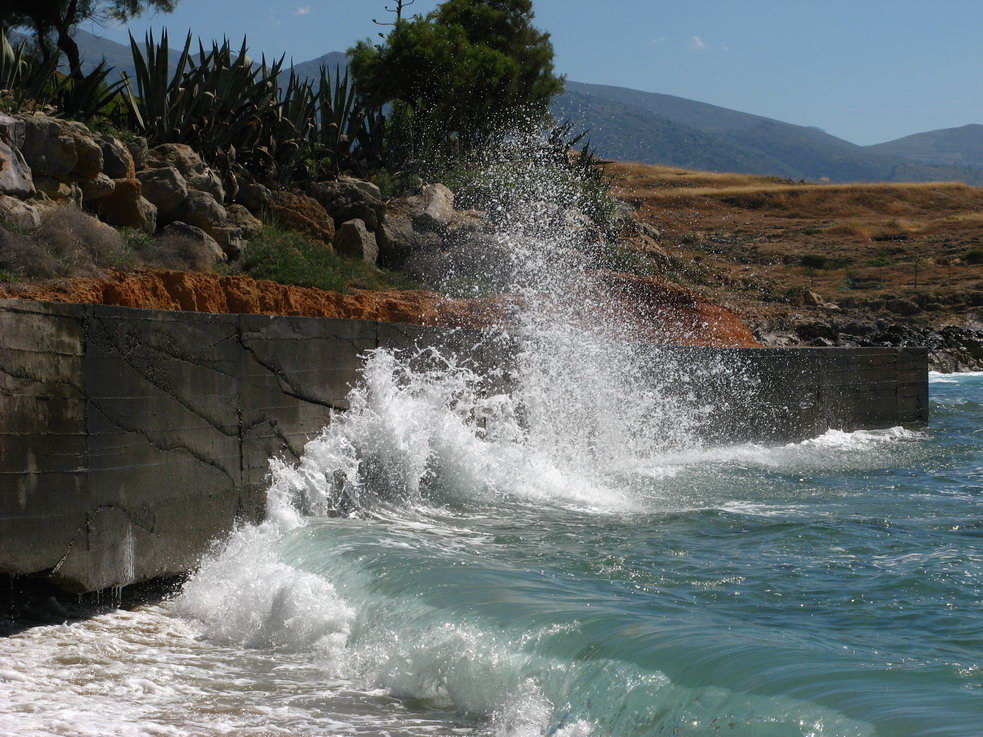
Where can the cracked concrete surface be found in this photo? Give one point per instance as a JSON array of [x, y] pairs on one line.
[[131, 439]]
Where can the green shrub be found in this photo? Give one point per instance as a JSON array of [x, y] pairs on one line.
[[975, 256], [814, 261], [291, 258]]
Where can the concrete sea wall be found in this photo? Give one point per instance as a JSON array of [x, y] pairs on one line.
[[131, 439]]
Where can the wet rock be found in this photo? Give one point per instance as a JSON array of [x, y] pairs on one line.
[[397, 240], [354, 240], [117, 161], [348, 199], [164, 186], [302, 213], [436, 209]]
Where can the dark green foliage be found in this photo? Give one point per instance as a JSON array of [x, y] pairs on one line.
[[460, 75], [57, 19], [291, 258], [813, 261], [975, 256], [236, 115]]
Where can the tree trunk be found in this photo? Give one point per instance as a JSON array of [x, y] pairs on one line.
[[71, 50]]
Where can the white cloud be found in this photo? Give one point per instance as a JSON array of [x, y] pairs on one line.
[[697, 44], [304, 10]]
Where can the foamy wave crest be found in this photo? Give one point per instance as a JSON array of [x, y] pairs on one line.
[[426, 435]]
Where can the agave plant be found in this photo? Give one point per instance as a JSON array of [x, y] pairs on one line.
[[23, 78], [87, 97]]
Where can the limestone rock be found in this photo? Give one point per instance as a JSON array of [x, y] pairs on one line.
[[231, 241], [239, 217], [60, 149], [436, 209], [19, 213], [201, 210], [125, 207], [149, 213], [164, 186], [57, 190], [93, 189], [362, 185], [349, 199], [195, 238], [15, 175], [194, 170], [139, 151], [396, 238], [12, 130], [303, 214], [117, 161], [353, 239], [254, 196]]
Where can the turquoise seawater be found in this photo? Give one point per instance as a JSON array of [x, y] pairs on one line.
[[473, 585]]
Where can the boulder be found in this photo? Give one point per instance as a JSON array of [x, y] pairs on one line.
[[125, 207], [202, 210], [231, 241], [368, 188], [18, 213], [397, 240], [61, 149], [902, 307], [93, 189], [349, 199], [239, 217], [139, 151], [57, 190], [194, 170], [16, 178], [194, 238], [435, 209], [354, 240], [254, 196], [303, 214], [15, 174], [12, 130], [149, 213], [164, 186], [117, 161]]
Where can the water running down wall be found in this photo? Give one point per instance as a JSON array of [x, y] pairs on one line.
[[131, 439]]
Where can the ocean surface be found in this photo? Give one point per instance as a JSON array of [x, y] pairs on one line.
[[435, 567]]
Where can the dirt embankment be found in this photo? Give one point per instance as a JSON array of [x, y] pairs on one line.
[[655, 310]]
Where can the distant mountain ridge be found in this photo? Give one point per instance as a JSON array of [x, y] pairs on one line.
[[655, 128], [961, 146]]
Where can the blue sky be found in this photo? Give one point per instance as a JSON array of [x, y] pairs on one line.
[[865, 70]]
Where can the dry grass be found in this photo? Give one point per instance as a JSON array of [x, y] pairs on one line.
[[749, 241]]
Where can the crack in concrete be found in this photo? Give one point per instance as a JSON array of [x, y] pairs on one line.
[[160, 445], [286, 386], [115, 347]]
